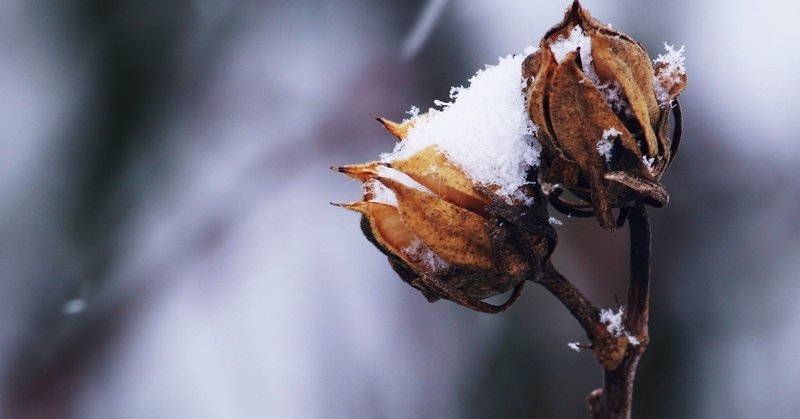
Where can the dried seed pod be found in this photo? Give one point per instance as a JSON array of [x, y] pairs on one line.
[[445, 237], [603, 115]]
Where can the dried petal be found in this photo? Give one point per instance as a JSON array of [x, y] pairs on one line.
[[386, 227], [360, 172], [627, 64], [580, 115], [652, 191], [458, 235], [431, 169], [399, 130], [537, 100]]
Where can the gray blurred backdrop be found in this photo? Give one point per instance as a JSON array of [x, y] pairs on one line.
[[168, 250]]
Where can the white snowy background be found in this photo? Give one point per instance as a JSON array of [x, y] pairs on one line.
[[168, 249]]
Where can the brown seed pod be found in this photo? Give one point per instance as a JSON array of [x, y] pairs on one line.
[[602, 112], [445, 237]]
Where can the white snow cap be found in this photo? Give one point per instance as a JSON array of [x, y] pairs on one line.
[[485, 131], [669, 75]]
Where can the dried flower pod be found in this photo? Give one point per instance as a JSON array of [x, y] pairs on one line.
[[446, 237], [602, 112]]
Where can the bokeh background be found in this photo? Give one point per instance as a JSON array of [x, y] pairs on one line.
[[168, 250]]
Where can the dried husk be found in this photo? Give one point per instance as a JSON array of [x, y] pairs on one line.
[[444, 236], [572, 116]]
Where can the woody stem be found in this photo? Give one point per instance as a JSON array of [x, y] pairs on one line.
[[614, 400]]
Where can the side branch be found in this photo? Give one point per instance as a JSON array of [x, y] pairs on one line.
[[582, 309]]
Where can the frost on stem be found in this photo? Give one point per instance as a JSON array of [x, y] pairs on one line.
[[613, 322]]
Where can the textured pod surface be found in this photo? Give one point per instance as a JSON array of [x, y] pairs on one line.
[[458, 235]]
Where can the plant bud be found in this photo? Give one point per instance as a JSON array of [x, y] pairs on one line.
[[602, 113]]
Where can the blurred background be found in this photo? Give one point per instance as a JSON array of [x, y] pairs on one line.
[[168, 250]]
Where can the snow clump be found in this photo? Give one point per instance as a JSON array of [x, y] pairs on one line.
[[484, 131]]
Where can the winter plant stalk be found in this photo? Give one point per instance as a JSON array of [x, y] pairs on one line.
[[581, 125]]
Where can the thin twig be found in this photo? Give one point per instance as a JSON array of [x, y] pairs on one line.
[[581, 308]]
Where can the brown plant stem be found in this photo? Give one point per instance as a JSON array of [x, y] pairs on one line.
[[614, 400], [616, 354], [568, 294]]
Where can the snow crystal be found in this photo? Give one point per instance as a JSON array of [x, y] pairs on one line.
[[575, 346], [611, 132], [561, 47], [612, 93], [422, 254], [671, 66], [554, 221], [578, 41], [613, 321], [648, 162], [604, 149], [605, 145], [485, 130], [520, 197]]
